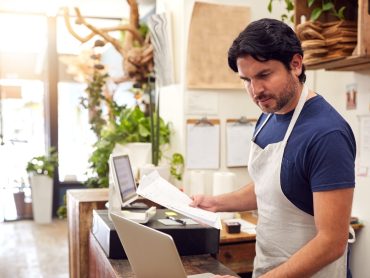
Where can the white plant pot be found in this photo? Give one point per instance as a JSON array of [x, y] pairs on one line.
[[42, 198]]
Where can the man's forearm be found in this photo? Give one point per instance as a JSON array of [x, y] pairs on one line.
[[241, 200]]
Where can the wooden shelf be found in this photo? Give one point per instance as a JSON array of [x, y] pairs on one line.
[[360, 59], [350, 63]]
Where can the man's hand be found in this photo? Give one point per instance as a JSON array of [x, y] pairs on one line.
[[240, 200], [204, 202]]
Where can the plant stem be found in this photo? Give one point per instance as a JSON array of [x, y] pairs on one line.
[[152, 124]]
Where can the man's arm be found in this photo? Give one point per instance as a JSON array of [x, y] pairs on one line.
[[332, 210], [240, 200]]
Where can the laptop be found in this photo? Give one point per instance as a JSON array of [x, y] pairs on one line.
[[124, 183], [123, 178], [151, 253]]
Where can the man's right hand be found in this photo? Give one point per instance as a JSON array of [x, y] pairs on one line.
[[204, 202]]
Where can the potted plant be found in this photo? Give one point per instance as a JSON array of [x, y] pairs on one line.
[[131, 126], [41, 171], [139, 128]]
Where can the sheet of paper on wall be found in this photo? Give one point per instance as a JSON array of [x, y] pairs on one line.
[[238, 140], [155, 188], [202, 103], [203, 146], [364, 142]]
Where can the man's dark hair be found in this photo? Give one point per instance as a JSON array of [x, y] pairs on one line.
[[267, 39]]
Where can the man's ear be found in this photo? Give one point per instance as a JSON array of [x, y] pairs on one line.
[[296, 64]]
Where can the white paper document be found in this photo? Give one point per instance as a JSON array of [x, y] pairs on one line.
[[238, 140], [158, 190], [364, 142], [203, 146]]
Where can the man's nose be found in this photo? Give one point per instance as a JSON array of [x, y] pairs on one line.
[[256, 88]]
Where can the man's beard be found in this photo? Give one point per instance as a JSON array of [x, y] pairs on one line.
[[285, 96]]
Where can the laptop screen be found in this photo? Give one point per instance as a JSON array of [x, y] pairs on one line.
[[124, 178]]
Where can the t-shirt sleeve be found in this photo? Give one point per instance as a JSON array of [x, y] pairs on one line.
[[331, 162]]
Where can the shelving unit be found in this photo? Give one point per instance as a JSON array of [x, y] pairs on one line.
[[360, 58]]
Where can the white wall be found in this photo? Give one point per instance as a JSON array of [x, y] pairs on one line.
[[234, 103], [332, 85], [175, 99]]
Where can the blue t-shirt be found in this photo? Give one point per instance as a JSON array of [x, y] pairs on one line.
[[320, 153]]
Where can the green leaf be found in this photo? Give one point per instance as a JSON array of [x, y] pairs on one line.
[[327, 6], [340, 14], [310, 3], [269, 6], [316, 14], [289, 5], [44, 164], [284, 17], [144, 131]]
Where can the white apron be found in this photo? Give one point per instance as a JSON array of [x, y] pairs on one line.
[[282, 228]]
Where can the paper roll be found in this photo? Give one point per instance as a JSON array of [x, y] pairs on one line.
[[223, 182], [197, 182]]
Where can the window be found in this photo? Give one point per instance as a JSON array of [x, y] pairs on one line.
[[75, 137], [22, 94]]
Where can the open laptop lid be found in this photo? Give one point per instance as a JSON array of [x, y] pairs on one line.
[[151, 253], [123, 178]]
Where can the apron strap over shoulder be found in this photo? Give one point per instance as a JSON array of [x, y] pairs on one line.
[[297, 111]]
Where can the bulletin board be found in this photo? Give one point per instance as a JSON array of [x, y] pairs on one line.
[[213, 28]]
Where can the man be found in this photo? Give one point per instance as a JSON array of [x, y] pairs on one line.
[[301, 161]]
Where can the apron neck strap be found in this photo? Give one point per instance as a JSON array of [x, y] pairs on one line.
[[262, 125], [297, 112]]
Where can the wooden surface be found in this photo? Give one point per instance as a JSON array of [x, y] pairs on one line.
[[363, 30], [355, 63], [101, 266], [237, 251], [80, 204], [240, 237]]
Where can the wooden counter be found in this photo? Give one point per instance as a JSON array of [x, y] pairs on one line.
[[80, 204], [237, 251]]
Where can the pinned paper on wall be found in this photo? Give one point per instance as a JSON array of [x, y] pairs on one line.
[[203, 144], [205, 69], [364, 142], [239, 133]]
